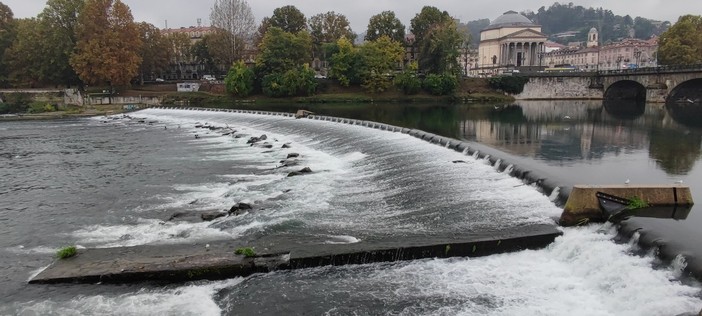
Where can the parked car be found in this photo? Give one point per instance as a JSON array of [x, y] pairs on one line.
[[160, 80], [209, 78]]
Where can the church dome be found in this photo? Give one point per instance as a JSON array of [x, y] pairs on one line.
[[593, 30], [510, 18]]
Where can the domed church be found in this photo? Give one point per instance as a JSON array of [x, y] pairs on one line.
[[510, 42]]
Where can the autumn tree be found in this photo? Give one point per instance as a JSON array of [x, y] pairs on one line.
[[385, 24], [108, 44], [235, 26], [288, 18], [239, 80], [154, 51], [59, 21], [682, 43]]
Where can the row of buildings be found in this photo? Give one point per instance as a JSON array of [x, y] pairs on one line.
[[512, 42]]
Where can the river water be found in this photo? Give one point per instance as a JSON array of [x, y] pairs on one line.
[[115, 182]]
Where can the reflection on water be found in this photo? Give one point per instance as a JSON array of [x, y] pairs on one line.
[[556, 132]]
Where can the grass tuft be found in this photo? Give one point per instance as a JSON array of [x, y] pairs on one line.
[[66, 252], [246, 251]]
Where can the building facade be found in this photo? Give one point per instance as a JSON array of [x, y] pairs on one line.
[[511, 41], [629, 53]]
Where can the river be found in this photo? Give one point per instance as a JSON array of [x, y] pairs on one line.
[[100, 182]]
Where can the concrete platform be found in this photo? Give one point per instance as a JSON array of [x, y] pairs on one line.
[[583, 206], [178, 263]]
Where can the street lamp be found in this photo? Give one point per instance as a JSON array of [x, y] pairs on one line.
[[619, 60], [637, 54], [541, 56]]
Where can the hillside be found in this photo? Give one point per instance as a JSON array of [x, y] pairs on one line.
[[566, 23]]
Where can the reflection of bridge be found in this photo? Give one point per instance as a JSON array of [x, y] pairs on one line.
[[659, 84]]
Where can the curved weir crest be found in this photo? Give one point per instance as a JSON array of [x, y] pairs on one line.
[[366, 185]]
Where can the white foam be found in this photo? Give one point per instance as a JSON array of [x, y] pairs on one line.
[[185, 300], [335, 240], [146, 231], [581, 273]]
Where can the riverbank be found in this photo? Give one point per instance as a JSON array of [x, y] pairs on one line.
[[93, 110]]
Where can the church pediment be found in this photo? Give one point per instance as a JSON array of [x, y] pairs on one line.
[[525, 33]]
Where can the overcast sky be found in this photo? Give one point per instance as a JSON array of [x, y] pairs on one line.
[[186, 12]]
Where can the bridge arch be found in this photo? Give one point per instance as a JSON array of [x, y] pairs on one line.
[[625, 90], [689, 92]]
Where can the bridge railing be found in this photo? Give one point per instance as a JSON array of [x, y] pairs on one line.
[[617, 72]]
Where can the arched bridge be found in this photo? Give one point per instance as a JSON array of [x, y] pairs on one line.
[[659, 84]]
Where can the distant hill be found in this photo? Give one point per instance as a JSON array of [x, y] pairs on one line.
[[573, 22]]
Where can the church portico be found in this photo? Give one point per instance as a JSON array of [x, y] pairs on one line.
[[510, 41]]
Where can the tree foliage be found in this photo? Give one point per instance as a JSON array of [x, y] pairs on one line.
[[329, 27], [23, 58], [298, 81], [408, 81], [236, 24], [509, 84], [281, 51], [427, 20], [288, 18], [379, 59], [239, 80], [385, 24], [438, 40], [154, 51], [682, 43], [181, 52], [108, 44], [441, 84], [202, 53], [440, 48], [343, 62], [59, 22], [7, 35]]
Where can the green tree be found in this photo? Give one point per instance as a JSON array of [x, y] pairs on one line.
[[108, 44], [236, 25], [682, 43], [329, 27], [408, 81], [239, 80], [59, 22], [289, 19], [379, 59], [180, 52], [281, 51], [202, 55], [440, 49], [23, 60], [385, 24], [426, 20], [299, 81], [154, 51], [7, 36], [343, 62], [438, 40]]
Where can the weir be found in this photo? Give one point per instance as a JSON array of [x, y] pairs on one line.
[[178, 263], [175, 263]]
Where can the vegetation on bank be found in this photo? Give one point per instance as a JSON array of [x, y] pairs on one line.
[[245, 251]]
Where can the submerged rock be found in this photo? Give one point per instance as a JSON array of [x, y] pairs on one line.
[[286, 145], [293, 155], [239, 208], [302, 171], [210, 216]]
